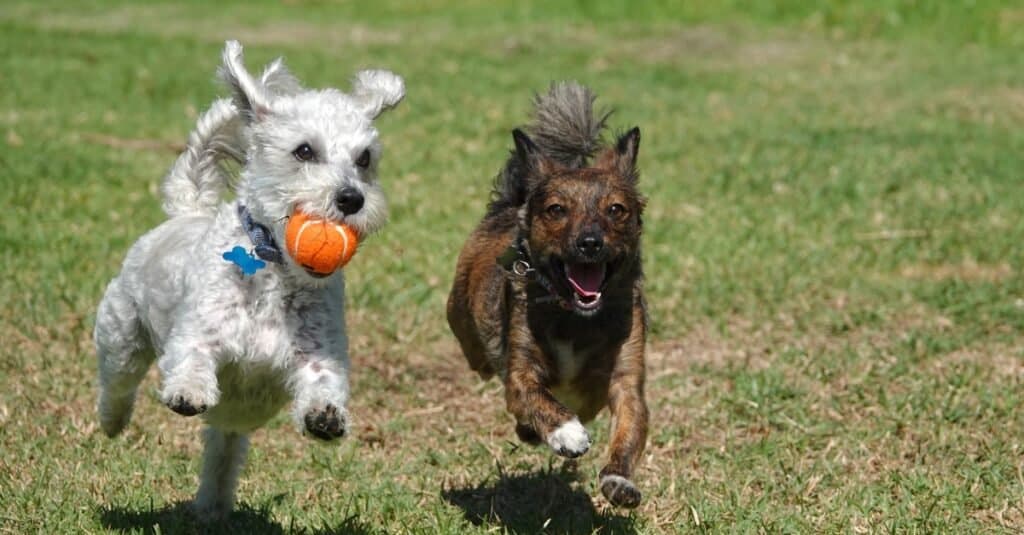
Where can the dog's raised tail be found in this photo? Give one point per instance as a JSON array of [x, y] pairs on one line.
[[195, 183], [564, 124], [565, 128]]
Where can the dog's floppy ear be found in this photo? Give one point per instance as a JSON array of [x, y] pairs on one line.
[[278, 80], [622, 158], [250, 95], [377, 91]]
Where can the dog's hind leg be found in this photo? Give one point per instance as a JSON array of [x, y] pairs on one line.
[[223, 457], [124, 356]]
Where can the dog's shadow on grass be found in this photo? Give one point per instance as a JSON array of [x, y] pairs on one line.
[[178, 519], [541, 501]]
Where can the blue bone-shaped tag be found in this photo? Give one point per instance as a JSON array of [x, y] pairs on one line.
[[249, 263]]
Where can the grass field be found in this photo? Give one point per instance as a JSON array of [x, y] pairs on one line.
[[833, 250]]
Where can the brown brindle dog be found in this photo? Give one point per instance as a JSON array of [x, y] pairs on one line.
[[548, 288]]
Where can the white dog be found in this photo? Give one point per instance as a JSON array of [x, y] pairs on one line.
[[231, 343]]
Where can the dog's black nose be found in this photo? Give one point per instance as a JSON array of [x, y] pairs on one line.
[[589, 244], [349, 200]]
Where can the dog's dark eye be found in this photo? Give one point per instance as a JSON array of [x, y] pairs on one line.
[[555, 210], [616, 210], [364, 159], [304, 153]]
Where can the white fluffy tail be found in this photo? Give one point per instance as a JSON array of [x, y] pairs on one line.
[[197, 180]]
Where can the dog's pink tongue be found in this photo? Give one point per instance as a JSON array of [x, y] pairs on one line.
[[586, 279]]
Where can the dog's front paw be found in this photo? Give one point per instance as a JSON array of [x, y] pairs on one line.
[[326, 423], [185, 406], [621, 492], [187, 403], [189, 395], [569, 439]]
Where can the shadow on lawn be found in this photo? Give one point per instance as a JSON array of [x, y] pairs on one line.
[[178, 519], [534, 502]]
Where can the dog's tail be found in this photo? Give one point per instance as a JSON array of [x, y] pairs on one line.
[[566, 130], [198, 179], [564, 125]]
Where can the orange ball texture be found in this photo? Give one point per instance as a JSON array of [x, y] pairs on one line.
[[319, 245]]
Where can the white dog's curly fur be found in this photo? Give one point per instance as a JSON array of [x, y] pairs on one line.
[[231, 346]]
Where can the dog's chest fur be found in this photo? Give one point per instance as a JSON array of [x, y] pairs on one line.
[[267, 330], [250, 395], [580, 353], [568, 363]]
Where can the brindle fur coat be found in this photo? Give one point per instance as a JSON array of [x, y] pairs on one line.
[[548, 288]]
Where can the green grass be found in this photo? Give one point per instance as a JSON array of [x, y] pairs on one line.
[[833, 252]]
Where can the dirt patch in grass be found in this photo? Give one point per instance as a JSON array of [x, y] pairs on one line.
[[740, 342], [1008, 514], [719, 48], [1005, 362], [175, 21], [967, 270], [1001, 105]]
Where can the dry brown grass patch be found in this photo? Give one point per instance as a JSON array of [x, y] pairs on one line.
[[968, 270], [175, 21]]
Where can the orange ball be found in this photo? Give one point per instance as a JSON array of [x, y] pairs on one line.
[[319, 245]]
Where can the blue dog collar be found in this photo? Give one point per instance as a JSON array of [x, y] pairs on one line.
[[264, 246], [262, 238]]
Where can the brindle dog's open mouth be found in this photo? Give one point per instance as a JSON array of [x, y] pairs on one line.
[[586, 281]]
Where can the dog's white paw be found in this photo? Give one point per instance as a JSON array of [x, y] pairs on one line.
[[189, 401], [570, 439]]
